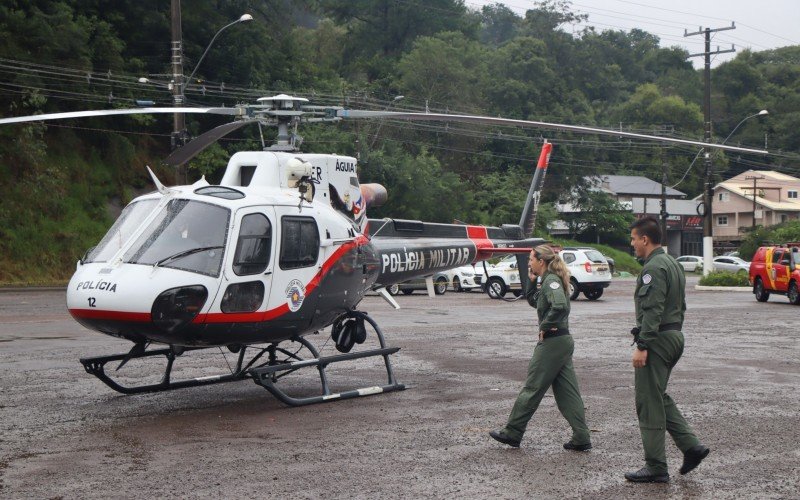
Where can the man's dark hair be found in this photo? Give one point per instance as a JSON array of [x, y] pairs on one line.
[[648, 226]]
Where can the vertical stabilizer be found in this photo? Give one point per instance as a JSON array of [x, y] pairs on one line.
[[528, 218]]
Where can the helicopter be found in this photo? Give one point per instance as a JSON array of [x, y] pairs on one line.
[[280, 249]]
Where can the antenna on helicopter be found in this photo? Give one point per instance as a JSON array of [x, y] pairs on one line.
[[160, 187]]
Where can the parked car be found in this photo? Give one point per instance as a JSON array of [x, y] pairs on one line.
[[732, 264], [691, 263], [501, 278], [590, 272], [776, 269], [440, 282], [463, 278]]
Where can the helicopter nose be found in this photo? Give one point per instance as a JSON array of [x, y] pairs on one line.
[[133, 302], [177, 307]]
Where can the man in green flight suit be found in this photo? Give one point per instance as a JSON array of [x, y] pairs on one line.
[[660, 305]]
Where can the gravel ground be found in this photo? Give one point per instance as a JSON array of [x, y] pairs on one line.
[[463, 358]]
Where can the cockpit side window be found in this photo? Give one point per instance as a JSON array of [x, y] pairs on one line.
[[299, 242], [253, 245], [128, 222]]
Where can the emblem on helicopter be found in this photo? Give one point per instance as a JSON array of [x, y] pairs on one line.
[[295, 293]]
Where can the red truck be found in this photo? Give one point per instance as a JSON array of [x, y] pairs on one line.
[[776, 269]]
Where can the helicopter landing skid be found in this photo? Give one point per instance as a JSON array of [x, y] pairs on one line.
[[266, 376], [96, 366]]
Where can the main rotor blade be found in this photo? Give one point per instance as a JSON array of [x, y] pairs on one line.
[[486, 120], [202, 141], [112, 112]]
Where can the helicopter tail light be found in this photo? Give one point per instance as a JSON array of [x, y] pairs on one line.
[[177, 307]]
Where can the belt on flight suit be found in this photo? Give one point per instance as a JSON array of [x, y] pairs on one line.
[[556, 333], [669, 326]]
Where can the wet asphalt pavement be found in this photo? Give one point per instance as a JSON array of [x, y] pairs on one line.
[[463, 358]]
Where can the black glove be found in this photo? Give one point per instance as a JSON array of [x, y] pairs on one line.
[[635, 332]]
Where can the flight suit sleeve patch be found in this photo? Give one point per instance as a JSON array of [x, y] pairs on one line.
[[646, 279], [554, 285]]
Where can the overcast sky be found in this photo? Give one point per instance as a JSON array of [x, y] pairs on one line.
[[760, 24]]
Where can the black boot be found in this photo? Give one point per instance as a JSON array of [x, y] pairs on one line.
[[644, 475], [504, 438], [693, 457], [569, 445]]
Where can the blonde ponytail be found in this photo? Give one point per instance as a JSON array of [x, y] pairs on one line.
[[554, 263]]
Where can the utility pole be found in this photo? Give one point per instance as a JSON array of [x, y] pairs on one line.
[[755, 179], [664, 213], [708, 191], [177, 78]]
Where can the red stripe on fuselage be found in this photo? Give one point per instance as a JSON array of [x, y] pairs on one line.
[[110, 315], [256, 317], [479, 236], [253, 317]]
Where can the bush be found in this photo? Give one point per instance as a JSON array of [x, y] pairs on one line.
[[724, 278], [777, 234]]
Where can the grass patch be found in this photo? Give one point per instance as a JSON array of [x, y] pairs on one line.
[[623, 261], [724, 278]]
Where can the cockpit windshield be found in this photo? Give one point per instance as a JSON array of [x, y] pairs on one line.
[[128, 222], [187, 235]]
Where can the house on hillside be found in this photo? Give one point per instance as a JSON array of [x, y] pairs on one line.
[[642, 196], [736, 211]]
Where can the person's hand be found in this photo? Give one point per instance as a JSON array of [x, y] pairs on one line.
[[639, 358]]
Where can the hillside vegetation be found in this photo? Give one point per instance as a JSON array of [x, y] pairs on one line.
[[65, 180]]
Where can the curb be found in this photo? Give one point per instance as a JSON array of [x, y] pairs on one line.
[[25, 289], [703, 288]]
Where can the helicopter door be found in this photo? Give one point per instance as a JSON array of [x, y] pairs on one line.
[[297, 262], [248, 271]]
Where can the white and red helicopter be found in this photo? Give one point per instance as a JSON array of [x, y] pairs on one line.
[[280, 249]]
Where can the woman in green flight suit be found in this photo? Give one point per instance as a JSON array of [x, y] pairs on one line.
[[551, 364]]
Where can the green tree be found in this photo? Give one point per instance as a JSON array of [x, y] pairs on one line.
[[499, 24], [444, 69], [418, 187], [599, 215]]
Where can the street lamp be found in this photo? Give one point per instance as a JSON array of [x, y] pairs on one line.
[[708, 245], [245, 18], [760, 113], [394, 101], [179, 135]]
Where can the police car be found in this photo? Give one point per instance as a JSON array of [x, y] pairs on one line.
[[501, 278], [590, 271]]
